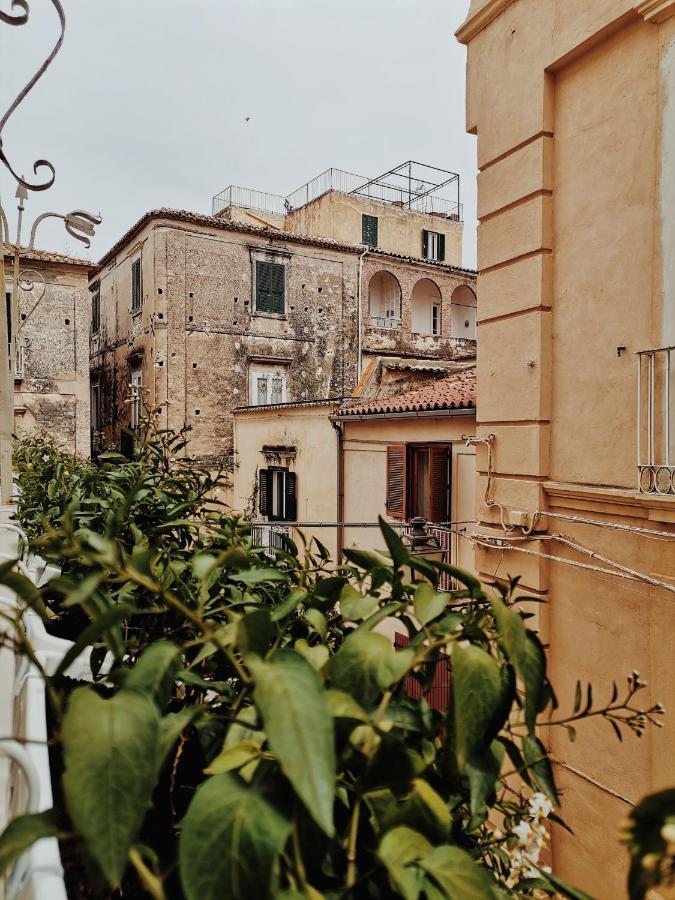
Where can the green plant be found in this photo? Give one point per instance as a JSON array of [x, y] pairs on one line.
[[253, 734]]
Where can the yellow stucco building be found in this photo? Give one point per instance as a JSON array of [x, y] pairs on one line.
[[573, 105]]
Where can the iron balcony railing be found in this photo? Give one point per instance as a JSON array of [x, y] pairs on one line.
[[335, 180], [656, 421], [247, 198]]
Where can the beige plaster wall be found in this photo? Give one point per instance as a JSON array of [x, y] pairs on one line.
[[570, 102], [307, 429], [338, 216], [365, 465]]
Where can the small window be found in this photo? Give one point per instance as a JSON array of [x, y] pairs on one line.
[[96, 407], [270, 283], [369, 230], [136, 399], [268, 385], [418, 482], [436, 318], [136, 286], [96, 309], [433, 245], [277, 487]]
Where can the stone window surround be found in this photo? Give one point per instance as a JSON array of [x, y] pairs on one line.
[[282, 258]]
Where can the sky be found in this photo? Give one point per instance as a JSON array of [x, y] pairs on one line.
[[146, 104]]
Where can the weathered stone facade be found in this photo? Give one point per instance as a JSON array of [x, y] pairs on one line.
[[51, 327], [197, 338]]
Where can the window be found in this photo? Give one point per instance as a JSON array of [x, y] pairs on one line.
[[426, 307], [96, 407], [270, 286], [268, 385], [96, 309], [10, 336], [463, 313], [418, 481], [384, 300], [277, 494], [136, 399], [369, 230], [136, 286], [433, 245]]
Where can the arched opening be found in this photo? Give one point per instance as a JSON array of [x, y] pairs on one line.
[[463, 313], [426, 307], [384, 300]]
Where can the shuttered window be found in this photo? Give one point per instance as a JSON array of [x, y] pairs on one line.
[[369, 230], [96, 309], [277, 494], [136, 286], [439, 484], [433, 245], [396, 481], [270, 279]]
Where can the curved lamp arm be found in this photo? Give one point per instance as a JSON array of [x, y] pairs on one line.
[[79, 224]]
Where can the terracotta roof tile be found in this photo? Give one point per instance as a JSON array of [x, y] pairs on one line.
[[457, 391], [51, 256], [182, 215]]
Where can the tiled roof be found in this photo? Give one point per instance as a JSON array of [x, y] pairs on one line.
[[456, 391], [298, 404], [190, 218], [51, 256]]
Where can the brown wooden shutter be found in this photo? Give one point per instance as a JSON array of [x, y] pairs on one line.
[[439, 484], [441, 247], [264, 493], [396, 481], [425, 243]]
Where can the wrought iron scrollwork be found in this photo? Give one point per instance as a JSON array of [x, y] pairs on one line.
[[79, 224], [21, 19]]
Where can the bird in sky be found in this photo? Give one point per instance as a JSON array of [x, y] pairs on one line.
[[247, 119]]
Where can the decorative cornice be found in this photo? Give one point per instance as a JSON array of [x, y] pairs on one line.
[[656, 10], [481, 19]]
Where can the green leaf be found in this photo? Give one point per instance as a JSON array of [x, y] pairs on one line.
[[318, 655], [110, 750], [354, 606], [344, 706], [457, 875], [398, 849], [397, 549], [255, 632], [291, 699], [366, 664], [483, 770], [428, 604], [89, 635], [155, 672], [539, 767], [258, 576], [477, 694], [367, 559], [21, 834], [170, 729], [289, 605], [423, 810], [82, 590], [567, 890], [230, 839], [235, 757], [525, 654], [318, 622]]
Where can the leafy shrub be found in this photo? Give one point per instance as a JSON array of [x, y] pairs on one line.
[[316, 767]]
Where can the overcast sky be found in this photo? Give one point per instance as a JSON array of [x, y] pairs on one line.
[[146, 104]]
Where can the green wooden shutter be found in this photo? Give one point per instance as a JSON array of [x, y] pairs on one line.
[[441, 247], [369, 230], [262, 287], [425, 243], [277, 278]]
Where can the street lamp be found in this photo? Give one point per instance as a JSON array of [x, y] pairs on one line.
[[79, 224]]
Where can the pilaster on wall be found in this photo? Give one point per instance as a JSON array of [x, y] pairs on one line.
[[656, 10]]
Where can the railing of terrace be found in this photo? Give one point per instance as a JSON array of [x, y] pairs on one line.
[[656, 421]]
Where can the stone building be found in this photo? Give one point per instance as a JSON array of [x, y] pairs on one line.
[[50, 347], [206, 313], [573, 105]]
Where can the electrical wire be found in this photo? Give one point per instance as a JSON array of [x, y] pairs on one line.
[[616, 526]]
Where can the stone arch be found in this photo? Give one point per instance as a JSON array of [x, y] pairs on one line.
[[426, 307], [463, 313], [384, 299]]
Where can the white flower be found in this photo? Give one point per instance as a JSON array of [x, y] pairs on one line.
[[523, 831], [668, 833], [45, 457], [540, 806]]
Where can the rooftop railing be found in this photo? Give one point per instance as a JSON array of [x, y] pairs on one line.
[[246, 198], [656, 421]]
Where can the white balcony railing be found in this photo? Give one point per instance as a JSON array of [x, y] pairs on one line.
[[656, 421], [384, 322]]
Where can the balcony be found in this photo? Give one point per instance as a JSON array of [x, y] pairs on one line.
[[384, 322], [656, 422]]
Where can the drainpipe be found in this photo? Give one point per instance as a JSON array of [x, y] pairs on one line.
[[359, 352], [340, 517]]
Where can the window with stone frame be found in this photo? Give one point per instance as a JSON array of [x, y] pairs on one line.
[[268, 385], [136, 286], [96, 309], [270, 287]]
